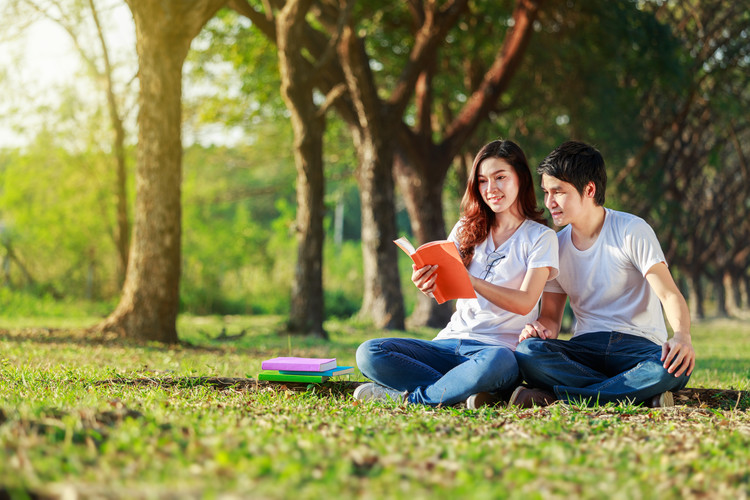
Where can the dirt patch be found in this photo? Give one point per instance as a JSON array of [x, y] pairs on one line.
[[724, 399]]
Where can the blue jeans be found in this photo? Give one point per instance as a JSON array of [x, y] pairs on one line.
[[438, 371], [598, 367]]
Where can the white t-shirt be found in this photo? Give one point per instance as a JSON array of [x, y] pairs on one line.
[[606, 283], [531, 246]]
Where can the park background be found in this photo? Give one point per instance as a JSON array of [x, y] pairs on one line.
[[187, 188]]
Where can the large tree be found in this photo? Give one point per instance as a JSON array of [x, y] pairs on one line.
[[383, 108], [383, 301], [149, 304], [691, 156], [425, 157], [674, 76], [74, 18], [298, 86]]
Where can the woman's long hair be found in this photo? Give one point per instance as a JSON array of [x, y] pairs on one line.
[[476, 216]]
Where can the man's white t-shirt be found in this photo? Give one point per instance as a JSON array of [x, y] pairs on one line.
[[606, 283], [531, 246]]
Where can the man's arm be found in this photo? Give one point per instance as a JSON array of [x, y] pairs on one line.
[[547, 326], [677, 353]]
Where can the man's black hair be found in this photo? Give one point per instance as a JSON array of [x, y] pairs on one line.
[[577, 163]]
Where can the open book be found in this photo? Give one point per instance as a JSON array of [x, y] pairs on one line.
[[452, 277]]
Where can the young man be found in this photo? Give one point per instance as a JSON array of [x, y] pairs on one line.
[[613, 269]]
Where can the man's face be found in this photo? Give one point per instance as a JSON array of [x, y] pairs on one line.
[[563, 201]]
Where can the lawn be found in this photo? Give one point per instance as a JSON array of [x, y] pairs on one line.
[[96, 417]]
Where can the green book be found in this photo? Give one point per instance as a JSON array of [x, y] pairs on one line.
[[281, 377]]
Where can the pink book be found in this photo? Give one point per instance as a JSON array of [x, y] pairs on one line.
[[299, 364]]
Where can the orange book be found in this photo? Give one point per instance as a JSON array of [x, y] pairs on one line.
[[452, 277]]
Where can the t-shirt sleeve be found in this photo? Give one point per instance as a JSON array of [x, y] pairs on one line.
[[553, 286], [642, 246], [454, 233], [544, 253]]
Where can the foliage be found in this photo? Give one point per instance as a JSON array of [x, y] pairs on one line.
[[57, 222], [238, 68], [22, 309], [238, 227], [64, 430]]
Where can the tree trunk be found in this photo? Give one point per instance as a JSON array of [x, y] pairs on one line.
[[373, 137], [422, 169], [696, 296], [122, 238], [307, 305], [720, 295], [382, 302], [424, 203], [149, 304], [122, 231], [731, 286]]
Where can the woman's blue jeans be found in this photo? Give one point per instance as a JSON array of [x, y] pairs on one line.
[[438, 372], [598, 367]]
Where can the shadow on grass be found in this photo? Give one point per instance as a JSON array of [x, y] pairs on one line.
[[85, 337], [248, 384], [722, 399]]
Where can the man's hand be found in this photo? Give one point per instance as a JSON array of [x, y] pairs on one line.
[[535, 329], [678, 355]]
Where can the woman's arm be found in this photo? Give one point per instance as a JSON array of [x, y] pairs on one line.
[[520, 301]]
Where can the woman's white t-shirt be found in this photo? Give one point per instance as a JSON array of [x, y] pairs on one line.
[[531, 246], [606, 283]]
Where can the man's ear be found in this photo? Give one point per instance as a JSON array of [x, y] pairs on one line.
[[589, 191]]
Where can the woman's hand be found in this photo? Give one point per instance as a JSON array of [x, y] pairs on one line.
[[424, 278], [534, 329]]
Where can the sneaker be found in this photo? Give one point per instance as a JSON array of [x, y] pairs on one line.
[[376, 392], [527, 398], [476, 401], [663, 400]]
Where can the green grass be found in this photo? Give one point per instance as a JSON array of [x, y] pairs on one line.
[[63, 431]]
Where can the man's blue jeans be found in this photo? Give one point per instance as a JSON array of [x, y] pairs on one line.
[[598, 367], [438, 371]]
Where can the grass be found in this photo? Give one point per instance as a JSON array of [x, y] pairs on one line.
[[64, 432]]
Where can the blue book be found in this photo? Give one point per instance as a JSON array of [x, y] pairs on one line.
[[341, 370]]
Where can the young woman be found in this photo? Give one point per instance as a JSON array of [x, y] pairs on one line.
[[509, 254]]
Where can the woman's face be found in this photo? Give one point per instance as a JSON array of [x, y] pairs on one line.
[[498, 184]]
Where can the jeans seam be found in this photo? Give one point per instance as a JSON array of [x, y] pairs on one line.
[[578, 366], [403, 357]]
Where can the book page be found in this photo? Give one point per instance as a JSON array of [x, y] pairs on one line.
[[405, 245]]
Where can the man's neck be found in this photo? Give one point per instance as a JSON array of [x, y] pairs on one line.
[[585, 231]]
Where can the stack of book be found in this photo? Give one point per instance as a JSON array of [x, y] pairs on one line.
[[291, 369]]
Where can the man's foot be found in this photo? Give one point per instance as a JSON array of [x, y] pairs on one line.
[[476, 401], [376, 392], [663, 400], [527, 398]]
